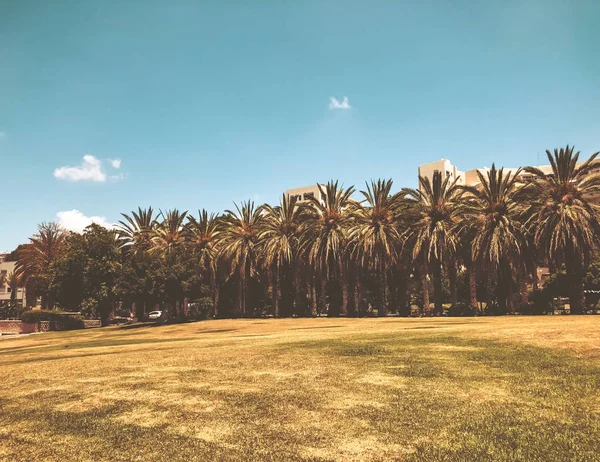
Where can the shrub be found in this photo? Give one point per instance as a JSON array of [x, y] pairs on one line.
[[58, 320], [33, 316], [11, 310], [199, 310], [461, 309]]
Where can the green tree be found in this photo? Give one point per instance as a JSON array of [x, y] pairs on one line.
[[137, 282], [325, 236], [432, 236], [238, 240], [169, 244], [564, 217], [375, 237], [279, 244], [203, 235], [36, 258], [491, 214]]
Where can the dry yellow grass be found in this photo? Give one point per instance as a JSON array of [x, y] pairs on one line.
[[507, 388]]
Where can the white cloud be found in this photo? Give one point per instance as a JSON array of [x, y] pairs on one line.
[[74, 220], [116, 163], [2, 134], [335, 104], [89, 170]]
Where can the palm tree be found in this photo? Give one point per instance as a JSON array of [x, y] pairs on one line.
[[137, 231], [238, 240], [431, 238], [170, 234], [375, 236], [325, 236], [203, 234], [14, 281], [279, 239], [134, 236], [491, 215], [563, 217], [35, 259], [168, 242]]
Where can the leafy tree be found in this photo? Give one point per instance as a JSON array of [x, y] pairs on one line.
[[135, 233], [36, 258], [564, 217], [169, 241]]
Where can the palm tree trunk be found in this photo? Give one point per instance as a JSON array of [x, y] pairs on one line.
[[313, 296], [356, 297], [276, 290], [473, 288], [322, 304], [452, 270], [425, 285], [523, 289], [575, 276], [383, 311], [490, 291], [215, 294], [344, 282], [241, 290], [437, 289], [297, 290]]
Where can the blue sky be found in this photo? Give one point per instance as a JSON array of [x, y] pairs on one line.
[[207, 103]]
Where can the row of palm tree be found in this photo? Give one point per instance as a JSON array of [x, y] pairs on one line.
[[498, 231]]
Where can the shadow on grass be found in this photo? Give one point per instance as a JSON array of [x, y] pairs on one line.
[[103, 343]]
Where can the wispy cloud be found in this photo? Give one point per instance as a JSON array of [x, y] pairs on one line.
[[91, 169], [2, 134], [335, 104], [74, 220]]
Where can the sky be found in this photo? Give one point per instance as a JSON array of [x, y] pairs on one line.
[[110, 105]]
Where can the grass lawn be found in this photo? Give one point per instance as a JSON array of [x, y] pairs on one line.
[[506, 388]]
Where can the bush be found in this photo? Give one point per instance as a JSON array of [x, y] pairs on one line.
[[461, 309], [199, 310], [58, 320], [540, 302], [11, 310], [34, 316]]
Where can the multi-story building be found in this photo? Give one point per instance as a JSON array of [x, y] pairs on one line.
[[470, 177], [6, 268], [445, 167], [305, 193]]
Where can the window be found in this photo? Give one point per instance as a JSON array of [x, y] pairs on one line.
[[308, 195]]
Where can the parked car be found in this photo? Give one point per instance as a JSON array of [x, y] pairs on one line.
[[155, 314]]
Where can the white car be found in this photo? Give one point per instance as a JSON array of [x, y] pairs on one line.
[[154, 314]]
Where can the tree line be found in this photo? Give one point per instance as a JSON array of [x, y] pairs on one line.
[[461, 245]]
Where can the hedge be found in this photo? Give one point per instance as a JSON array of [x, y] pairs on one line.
[[67, 321]]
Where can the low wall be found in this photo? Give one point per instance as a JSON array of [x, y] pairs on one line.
[[17, 327], [10, 327]]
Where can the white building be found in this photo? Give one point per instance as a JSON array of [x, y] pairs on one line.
[[6, 268], [305, 193], [445, 167]]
